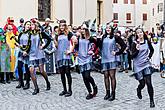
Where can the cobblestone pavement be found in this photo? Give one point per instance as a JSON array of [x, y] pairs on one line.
[[126, 99]]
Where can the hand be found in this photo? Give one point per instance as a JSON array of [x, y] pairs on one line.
[[137, 47], [90, 53], [113, 53], [67, 52], [41, 47], [24, 53]]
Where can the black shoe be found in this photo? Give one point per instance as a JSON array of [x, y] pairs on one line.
[[27, 86], [62, 93], [95, 91], [129, 68], [8, 82], [35, 91], [20, 85], [68, 94], [89, 96], [152, 105], [121, 70], [3, 82], [48, 86], [139, 94], [107, 96], [112, 97]]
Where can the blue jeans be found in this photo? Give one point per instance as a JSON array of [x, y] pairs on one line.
[[125, 60]]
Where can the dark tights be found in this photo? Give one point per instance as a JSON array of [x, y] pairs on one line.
[[20, 72], [88, 80], [112, 75], [147, 80], [66, 71]]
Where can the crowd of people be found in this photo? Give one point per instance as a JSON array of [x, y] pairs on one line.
[[29, 49]]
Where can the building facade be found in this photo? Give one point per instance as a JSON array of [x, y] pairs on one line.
[[132, 13], [156, 13], [74, 11], [126, 13]]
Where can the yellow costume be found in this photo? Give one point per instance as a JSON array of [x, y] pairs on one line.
[[10, 39]]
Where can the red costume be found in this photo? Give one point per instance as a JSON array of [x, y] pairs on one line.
[[10, 21]]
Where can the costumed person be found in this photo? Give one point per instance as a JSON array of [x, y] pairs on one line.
[[125, 55], [11, 41], [155, 60], [93, 29], [23, 57], [142, 52], [21, 26], [130, 39], [50, 49], [85, 52], [110, 58], [97, 54], [36, 54], [63, 58], [54, 35], [10, 21], [4, 58]]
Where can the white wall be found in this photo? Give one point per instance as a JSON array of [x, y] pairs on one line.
[[122, 9], [107, 11], [136, 11], [18, 9], [61, 10], [139, 10], [84, 10]]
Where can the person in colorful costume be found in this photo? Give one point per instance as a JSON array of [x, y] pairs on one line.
[[10, 40], [4, 58]]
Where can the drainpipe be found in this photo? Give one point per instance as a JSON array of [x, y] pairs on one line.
[[71, 12], [164, 12]]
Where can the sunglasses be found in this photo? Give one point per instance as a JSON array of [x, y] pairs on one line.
[[11, 20]]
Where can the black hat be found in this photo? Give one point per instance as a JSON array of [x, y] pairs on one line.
[[21, 20]]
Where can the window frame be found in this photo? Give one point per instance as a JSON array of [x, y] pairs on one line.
[[44, 9], [125, 1], [115, 15], [115, 1], [145, 16]]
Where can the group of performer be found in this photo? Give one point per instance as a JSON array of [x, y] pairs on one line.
[[84, 43]]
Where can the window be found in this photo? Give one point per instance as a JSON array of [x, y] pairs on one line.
[[144, 1], [160, 7], [144, 16], [153, 12], [132, 1], [44, 9], [115, 1], [115, 16], [128, 15], [125, 1]]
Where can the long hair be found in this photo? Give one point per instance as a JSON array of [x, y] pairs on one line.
[[37, 28], [66, 30], [144, 34], [111, 33], [87, 33], [25, 25]]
